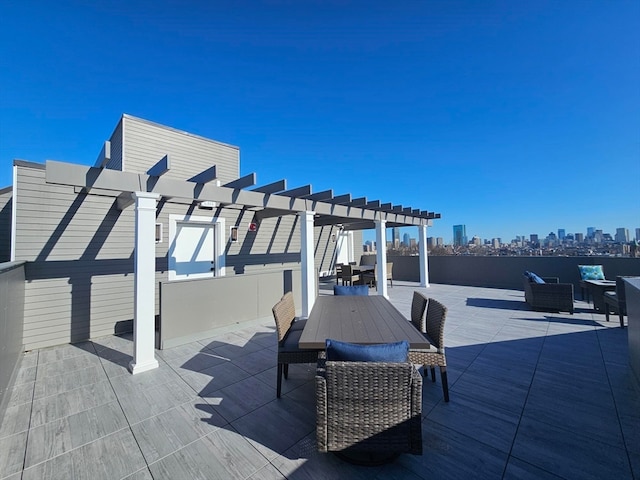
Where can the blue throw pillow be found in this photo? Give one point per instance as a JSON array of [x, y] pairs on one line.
[[591, 272], [361, 290], [351, 352], [533, 277]]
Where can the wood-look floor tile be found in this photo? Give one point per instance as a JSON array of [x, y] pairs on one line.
[[567, 453]]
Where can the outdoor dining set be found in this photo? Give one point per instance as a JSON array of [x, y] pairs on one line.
[[368, 389]]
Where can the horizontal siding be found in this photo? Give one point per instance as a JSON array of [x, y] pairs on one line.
[[6, 203], [145, 143], [115, 163], [79, 250]]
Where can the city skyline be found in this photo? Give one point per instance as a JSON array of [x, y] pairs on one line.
[[369, 235], [502, 116]]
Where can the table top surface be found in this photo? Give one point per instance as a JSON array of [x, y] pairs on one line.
[[358, 319], [601, 283]]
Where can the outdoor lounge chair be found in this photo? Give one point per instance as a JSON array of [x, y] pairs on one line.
[[432, 327], [551, 295], [617, 300], [289, 331], [589, 272], [368, 411]]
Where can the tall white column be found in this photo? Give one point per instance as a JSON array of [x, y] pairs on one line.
[[424, 261], [144, 284], [308, 263], [381, 257]]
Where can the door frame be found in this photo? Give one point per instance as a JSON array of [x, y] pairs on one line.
[[219, 239]]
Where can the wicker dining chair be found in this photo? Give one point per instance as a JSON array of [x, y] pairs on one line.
[[289, 331], [348, 276], [418, 307], [434, 332], [371, 408]]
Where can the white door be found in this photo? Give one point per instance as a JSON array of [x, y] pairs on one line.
[[193, 250], [344, 247]]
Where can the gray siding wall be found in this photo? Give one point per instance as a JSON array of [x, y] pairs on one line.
[[6, 204], [79, 253], [116, 148], [11, 326], [145, 143]]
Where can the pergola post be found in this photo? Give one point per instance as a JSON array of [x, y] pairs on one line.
[[307, 261], [144, 283], [424, 261], [381, 257]]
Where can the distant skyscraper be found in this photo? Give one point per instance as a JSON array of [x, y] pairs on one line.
[[533, 238], [406, 240], [395, 237], [637, 234], [561, 233], [579, 237], [622, 235], [459, 235], [591, 231]]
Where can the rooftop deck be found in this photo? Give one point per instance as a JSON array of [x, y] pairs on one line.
[[533, 395]]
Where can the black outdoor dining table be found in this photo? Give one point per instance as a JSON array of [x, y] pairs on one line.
[[358, 319]]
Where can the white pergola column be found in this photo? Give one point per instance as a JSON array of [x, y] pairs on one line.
[[381, 257], [144, 284], [308, 262], [424, 261]]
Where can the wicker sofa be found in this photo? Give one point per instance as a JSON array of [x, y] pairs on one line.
[[372, 408], [549, 296]]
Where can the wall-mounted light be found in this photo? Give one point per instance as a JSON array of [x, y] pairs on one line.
[[233, 234], [158, 233], [333, 238]]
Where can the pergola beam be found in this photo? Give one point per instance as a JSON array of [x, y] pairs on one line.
[[242, 182], [117, 181], [205, 176], [274, 187], [161, 167], [297, 192]]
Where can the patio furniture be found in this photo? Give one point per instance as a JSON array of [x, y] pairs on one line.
[[433, 330], [418, 307], [368, 411], [597, 289], [349, 277], [351, 290], [357, 319], [338, 271], [550, 295], [370, 277], [617, 300], [589, 272], [289, 332]]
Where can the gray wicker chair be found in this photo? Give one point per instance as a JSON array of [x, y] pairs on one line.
[[289, 331], [616, 300], [550, 296], [370, 277], [432, 327], [348, 276], [371, 408]]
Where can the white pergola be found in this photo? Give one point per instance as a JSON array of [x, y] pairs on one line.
[[272, 200]]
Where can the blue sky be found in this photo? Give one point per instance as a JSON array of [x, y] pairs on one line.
[[510, 117]]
